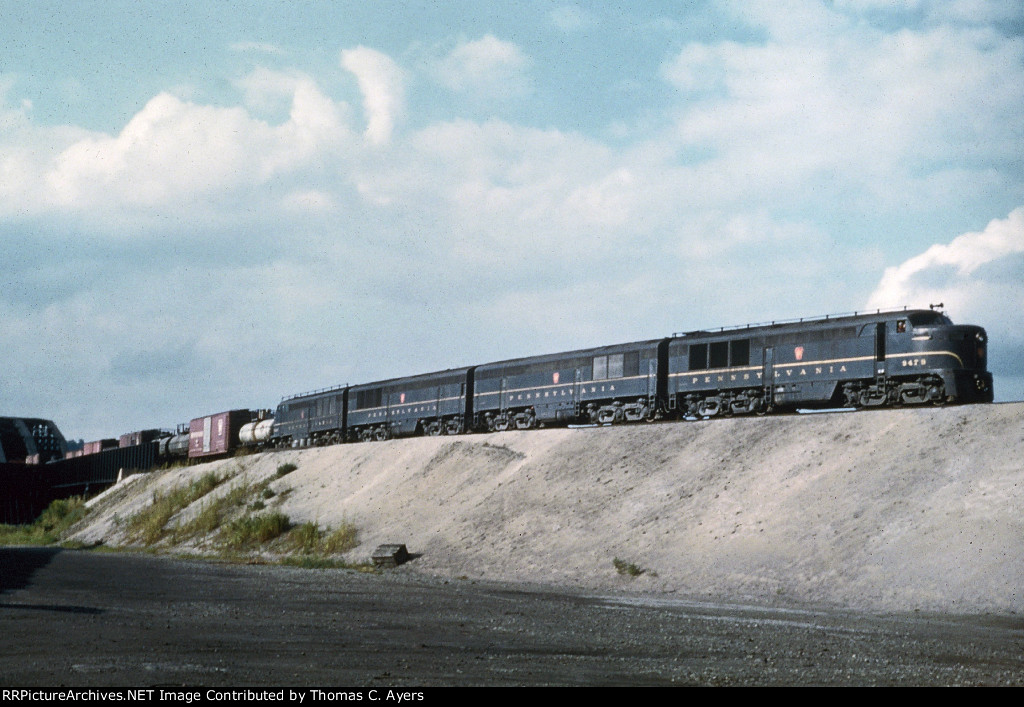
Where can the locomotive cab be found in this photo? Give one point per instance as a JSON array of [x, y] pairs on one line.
[[955, 353]]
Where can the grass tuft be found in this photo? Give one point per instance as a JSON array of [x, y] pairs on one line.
[[212, 514], [342, 539], [229, 521], [250, 531], [306, 538], [627, 568], [56, 518], [149, 524]]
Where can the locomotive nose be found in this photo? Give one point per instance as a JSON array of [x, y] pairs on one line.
[[977, 341], [971, 345]]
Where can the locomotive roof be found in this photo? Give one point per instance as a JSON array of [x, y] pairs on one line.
[[879, 315], [577, 353], [345, 386]]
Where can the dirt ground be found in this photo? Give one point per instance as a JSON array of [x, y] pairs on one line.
[[915, 509], [79, 618]]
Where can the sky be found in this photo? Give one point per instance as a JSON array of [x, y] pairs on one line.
[[212, 205]]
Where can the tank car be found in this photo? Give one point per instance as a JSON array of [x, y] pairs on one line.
[[175, 446], [258, 432]]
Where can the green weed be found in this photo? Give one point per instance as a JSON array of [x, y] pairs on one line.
[[56, 518], [149, 524], [627, 568], [342, 539], [249, 531], [286, 468], [305, 538]]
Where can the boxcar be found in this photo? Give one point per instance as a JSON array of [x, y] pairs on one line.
[[216, 435]]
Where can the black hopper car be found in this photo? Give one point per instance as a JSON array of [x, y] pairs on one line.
[[885, 358]]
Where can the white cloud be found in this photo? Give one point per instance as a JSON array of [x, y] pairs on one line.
[[879, 114], [173, 156], [960, 271], [979, 277], [170, 147], [382, 83], [968, 12], [486, 68]]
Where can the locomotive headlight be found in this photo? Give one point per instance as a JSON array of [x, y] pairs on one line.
[[980, 336]]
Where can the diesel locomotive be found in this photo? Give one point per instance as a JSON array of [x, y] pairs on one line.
[[859, 360]]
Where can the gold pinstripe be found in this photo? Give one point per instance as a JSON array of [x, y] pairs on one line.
[[403, 405], [821, 362], [703, 371], [600, 381]]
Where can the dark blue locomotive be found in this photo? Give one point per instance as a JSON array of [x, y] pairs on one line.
[[902, 357]]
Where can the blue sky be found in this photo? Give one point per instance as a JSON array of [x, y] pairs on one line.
[[206, 206]]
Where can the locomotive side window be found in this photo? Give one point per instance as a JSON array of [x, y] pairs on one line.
[[368, 398], [608, 366], [698, 357], [901, 326], [739, 352], [631, 363], [719, 354], [615, 366]]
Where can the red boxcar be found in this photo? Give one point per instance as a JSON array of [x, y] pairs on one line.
[[98, 446], [215, 435]]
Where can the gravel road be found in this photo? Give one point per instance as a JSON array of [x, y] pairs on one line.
[[94, 619]]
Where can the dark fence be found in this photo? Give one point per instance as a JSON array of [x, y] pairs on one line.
[[27, 489]]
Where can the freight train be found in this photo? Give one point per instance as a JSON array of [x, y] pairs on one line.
[[859, 360]]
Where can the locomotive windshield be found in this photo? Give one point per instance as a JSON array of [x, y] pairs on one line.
[[919, 319]]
